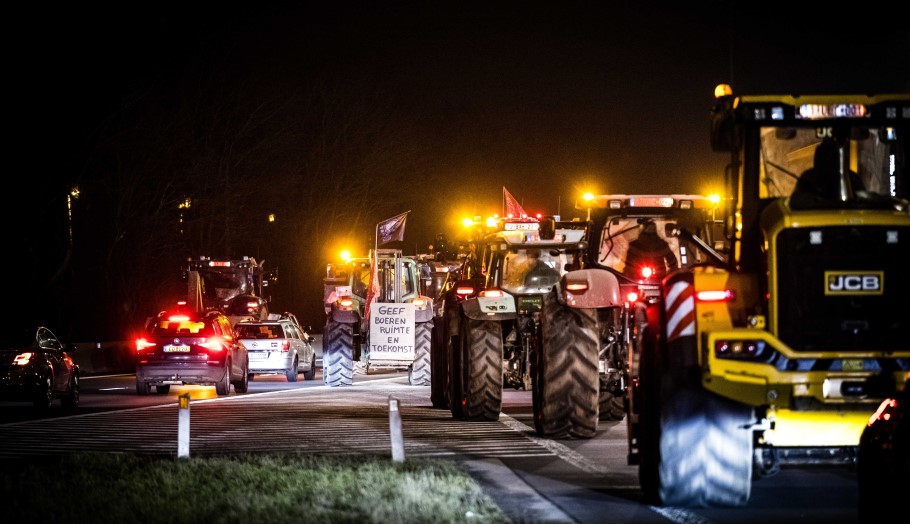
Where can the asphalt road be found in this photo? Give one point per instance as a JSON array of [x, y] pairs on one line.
[[532, 479]]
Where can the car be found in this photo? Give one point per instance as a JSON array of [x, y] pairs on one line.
[[883, 459], [181, 347], [278, 347], [36, 367]]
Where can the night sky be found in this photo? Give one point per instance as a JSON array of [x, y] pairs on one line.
[[447, 102], [545, 98]]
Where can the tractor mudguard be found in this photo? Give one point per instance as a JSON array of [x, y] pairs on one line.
[[590, 289], [492, 308]]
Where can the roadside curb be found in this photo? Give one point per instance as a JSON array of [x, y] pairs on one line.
[[518, 500]]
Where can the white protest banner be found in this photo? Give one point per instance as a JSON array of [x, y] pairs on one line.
[[392, 332]]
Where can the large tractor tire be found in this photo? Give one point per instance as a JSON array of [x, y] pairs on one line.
[[644, 422], [611, 407], [567, 383], [439, 366], [419, 373], [696, 447], [457, 380], [338, 354], [481, 342], [705, 449]]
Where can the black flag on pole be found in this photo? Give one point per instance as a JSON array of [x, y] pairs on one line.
[[392, 230]]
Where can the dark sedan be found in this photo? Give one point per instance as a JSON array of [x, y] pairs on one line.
[[35, 366], [183, 347]]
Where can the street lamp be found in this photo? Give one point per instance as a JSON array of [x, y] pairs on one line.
[[183, 206], [70, 197]]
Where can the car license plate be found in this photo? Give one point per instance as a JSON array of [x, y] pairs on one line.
[[176, 349], [257, 356]]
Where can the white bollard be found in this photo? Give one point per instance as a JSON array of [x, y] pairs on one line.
[[395, 430], [183, 426]]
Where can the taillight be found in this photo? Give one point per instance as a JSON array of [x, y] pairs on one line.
[[884, 411], [632, 297], [142, 343], [419, 302], [464, 290], [213, 344], [285, 345], [178, 318], [647, 272], [346, 303], [22, 359], [715, 295], [491, 293], [578, 286]]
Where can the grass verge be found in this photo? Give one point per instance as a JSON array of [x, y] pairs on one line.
[[122, 487]]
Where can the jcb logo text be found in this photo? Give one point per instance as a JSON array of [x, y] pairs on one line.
[[854, 282]]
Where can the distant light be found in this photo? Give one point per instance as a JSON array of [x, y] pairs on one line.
[[722, 90], [345, 255], [467, 222], [271, 217], [587, 197]]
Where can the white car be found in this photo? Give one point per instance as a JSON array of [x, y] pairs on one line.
[[278, 347]]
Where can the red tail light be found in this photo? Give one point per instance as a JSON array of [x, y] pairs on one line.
[[464, 290], [647, 272], [884, 411], [213, 344], [491, 293], [143, 344], [178, 318], [346, 302], [715, 295], [286, 345], [22, 359], [632, 296]]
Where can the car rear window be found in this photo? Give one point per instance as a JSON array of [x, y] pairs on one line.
[[259, 331], [166, 327]]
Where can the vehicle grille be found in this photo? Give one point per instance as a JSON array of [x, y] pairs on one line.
[[810, 260]]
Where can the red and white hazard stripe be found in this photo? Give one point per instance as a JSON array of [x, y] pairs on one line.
[[680, 304]]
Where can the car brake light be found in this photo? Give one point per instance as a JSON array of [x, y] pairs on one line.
[[464, 290], [143, 344], [285, 345], [178, 318], [884, 410], [213, 344], [715, 295], [491, 293], [22, 359], [647, 272], [632, 296]]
